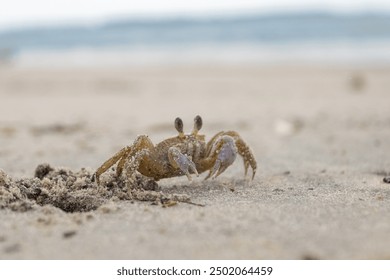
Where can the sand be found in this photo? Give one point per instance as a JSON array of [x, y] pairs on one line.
[[319, 134]]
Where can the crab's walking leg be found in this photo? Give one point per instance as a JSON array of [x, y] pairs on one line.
[[181, 161], [140, 143], [225, 152], [110, 162]]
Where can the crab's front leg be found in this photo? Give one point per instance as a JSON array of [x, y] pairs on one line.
[[141, 144], [223, 148], [181, 161], [110, 162], [224, 152]]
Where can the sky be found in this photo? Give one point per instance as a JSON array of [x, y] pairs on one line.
[[22, 13]]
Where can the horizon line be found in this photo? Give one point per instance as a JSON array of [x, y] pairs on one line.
[[226, 15]]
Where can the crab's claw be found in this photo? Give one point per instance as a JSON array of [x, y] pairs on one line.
[[182, 161], [226, 153]]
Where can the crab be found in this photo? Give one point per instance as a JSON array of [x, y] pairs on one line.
[[184, 154]]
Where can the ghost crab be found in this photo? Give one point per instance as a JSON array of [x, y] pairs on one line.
[[184, 154]]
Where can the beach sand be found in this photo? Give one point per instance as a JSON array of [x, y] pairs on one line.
[[320, 135]]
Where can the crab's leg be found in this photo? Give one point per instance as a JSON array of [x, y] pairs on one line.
[[110, 162], [181, 161], [222, 152], [141, 142], [247, 155], [225, 152], [212, 141]]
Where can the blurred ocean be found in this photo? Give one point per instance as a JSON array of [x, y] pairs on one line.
[[249, 38]]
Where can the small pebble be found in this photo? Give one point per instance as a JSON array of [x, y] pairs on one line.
[[68, 234]]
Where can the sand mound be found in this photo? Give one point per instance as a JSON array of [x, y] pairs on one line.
[[76, 191]]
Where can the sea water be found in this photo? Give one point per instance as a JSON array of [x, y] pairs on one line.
[[293, 37]]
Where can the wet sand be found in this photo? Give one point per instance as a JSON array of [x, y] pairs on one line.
[[319, 134]]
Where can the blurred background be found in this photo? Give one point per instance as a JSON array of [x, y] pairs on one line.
[[80, 80], [121, 32]]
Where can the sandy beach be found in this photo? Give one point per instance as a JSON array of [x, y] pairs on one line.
[[320, 135]]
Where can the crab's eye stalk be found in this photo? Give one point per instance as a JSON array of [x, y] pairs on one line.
[[197, 124], [179, 127]]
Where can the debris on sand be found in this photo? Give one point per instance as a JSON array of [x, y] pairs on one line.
[[76, 191]]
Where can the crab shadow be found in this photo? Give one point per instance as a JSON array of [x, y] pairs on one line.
[[200, 189]]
